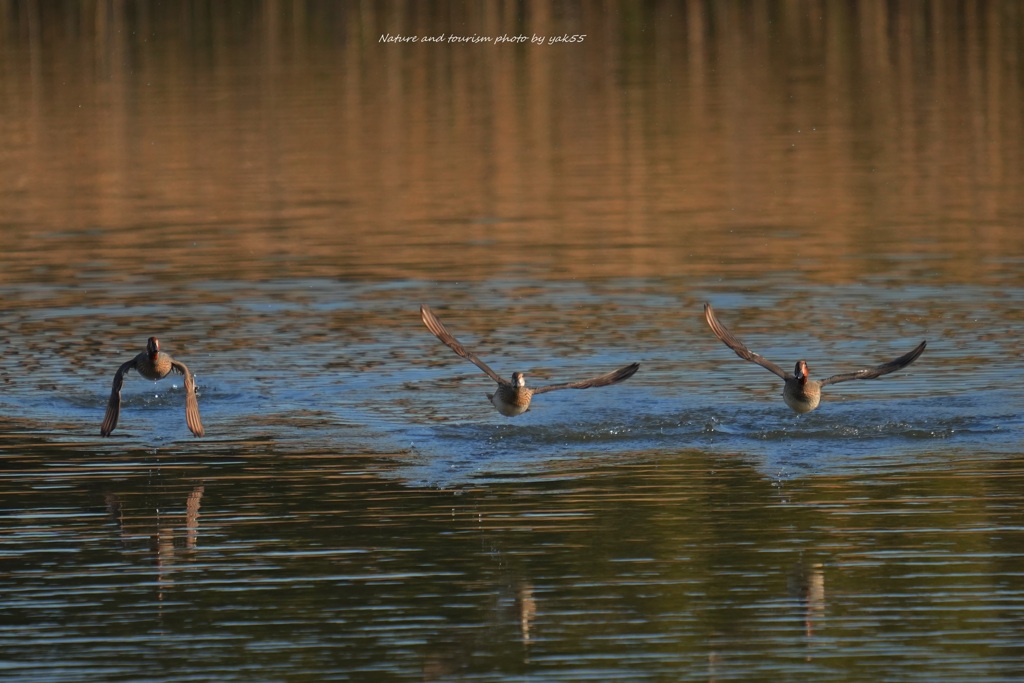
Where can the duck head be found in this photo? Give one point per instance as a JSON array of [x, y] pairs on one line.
[[801, 371]]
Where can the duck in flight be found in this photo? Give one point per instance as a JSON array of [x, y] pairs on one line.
[[802, 393], [513, 398], [153, 364]]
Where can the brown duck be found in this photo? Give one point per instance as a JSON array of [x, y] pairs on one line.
[[513, 398], [153, 364], [802, 393]]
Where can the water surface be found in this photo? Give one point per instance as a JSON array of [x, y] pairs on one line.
[[273, 193]]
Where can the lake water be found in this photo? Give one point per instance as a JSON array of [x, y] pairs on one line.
[[273, 192]]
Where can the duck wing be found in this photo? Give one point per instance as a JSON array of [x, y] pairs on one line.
[[114, 402], [449, 340], [195, 424], [883, 369], [725, 336], [613, 377]]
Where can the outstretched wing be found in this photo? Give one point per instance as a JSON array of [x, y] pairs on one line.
[[442, 333], [736, 345], [195, 425], [114, 402], [883, 369], [602, 381]]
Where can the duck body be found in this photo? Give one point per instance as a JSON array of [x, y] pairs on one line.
[[801, 393], [153, 364], [512, 399]]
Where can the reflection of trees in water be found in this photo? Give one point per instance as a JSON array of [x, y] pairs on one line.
[[758, 125]]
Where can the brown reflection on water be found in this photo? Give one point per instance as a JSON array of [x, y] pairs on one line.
[[185, 141]]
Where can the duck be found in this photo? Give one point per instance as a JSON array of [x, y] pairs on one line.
[[153, 364], [801, 393], [513, 398]]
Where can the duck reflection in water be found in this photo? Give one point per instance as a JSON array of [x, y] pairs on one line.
[[506, 613], [514, 607], [169, 539], [806, 585]]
